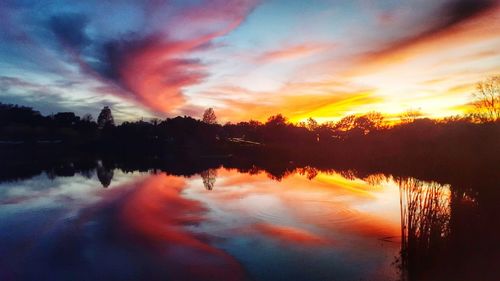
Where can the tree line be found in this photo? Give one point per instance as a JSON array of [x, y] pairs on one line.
[[369, 133]]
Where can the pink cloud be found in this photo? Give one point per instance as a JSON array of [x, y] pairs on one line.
[[155, 75], [153, 68], [157, 71]]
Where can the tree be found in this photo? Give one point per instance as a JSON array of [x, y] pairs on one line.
[[105, 118], [87, 118], [410, 116], [209, 116], [66, 118], [376, 119], [369, 122], [487, 100], [346, 123], [276, 120], [311, 124]]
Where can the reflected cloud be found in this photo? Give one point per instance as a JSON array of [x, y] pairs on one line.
[[290, 234], [157, 212], [327, 203], [332, 223]]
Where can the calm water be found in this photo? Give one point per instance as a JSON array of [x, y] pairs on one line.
[[226, 225]]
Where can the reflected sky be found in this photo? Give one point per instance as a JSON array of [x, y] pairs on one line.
[[327, 227], [160, 227]]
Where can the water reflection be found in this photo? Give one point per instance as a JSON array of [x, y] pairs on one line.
[[425, 216], [155, 213], [309, 223], [209, 176], [447, 232], [104, 173]]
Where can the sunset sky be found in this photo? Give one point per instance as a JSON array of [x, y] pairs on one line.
[[248, 59]]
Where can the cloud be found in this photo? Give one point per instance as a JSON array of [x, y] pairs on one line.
[[70, 29], [150, 65], [459, 10], [177, 57], [297, 108], [153, 71], [292, 52], [155, 68], [323, 100], [51, 96], [448, 16]]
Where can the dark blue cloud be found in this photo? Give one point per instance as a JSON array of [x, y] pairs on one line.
[[457, 11], [444, 17], [70, 29]]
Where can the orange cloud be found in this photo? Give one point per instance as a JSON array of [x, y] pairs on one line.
[[298, 107], [328, 202]]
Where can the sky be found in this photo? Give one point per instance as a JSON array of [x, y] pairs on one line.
[[248, 59]]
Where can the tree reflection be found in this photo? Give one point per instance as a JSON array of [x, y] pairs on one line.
[[375, 179], [448, 232], [209, 176], [309, 172], [104, 173]]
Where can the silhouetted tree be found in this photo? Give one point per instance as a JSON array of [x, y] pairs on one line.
[[487, 100], [346, 123], [410, 115], [311, 124], [105, 118], [209, 116], [10, 113], [368, 122], [376, 120], [276, 120], [66, 119], [87, 118]]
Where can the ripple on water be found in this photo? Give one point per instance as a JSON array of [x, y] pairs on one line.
[[321, 213], [326, 213]]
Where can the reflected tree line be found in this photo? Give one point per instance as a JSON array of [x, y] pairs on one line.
[[449, 221], [448, 231], [449, 224]]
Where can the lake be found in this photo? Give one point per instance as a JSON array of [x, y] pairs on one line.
[[232, 224]]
